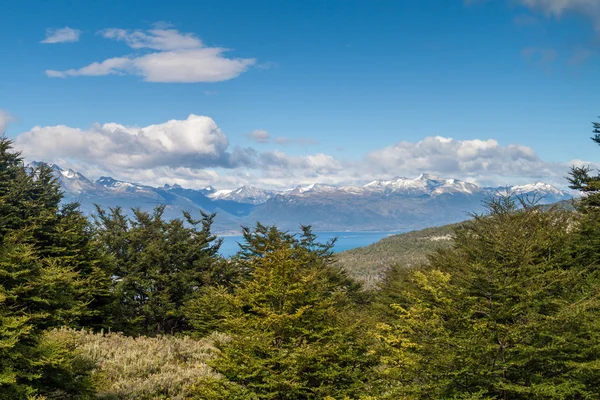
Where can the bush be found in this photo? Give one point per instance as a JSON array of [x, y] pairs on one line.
[[163, 367]]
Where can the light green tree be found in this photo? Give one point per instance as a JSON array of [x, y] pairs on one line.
[[296, 332], [506, 313]]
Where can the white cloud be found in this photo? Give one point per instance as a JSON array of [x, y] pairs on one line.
[[588, 8], [176, 57], [156, 39], [194, 152], [481, 160], [259, 136], [195, 141], [62, 35]]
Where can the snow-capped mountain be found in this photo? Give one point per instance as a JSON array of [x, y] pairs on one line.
[[207, 190], [539, 188], [244, 194], [310, 189], [394, 204], [423, 184], [71, 181], [122, 186]]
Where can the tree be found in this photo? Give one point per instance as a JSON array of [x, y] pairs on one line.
[[43, 281], [296, 333], [507, 312], [580, 178], [588, 208], [157, 265]]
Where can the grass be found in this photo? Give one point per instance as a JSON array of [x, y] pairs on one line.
[[164, 367]]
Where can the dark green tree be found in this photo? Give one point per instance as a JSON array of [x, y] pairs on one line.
[[588, 208], [43, 281], [581, 178], [157, 265]]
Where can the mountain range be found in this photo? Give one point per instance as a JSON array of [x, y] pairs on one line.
[[398, 204]]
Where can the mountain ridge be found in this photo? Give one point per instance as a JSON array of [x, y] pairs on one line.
[[399, 203]]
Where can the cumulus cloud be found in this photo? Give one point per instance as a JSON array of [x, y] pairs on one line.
[[62, 35], [170, 56], [259, 136], [194, 152], [195, 141], [482, 160], [317, 164]]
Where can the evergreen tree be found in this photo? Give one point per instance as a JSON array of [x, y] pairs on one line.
[[588, 208], [156, 266], [296, 333], [581, 178], [505, 313], [42, 282]]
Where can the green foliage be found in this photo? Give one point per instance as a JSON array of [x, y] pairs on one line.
[[369, 264], [581, 178], [156, 266], [505, 306], [505, 313], [143, 368], [45, 279], [296, 333]]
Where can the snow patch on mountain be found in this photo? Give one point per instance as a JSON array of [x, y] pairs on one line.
[[244, 194]]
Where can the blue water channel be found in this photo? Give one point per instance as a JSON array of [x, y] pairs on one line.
[[346, 240]]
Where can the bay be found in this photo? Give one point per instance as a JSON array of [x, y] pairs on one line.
[[345, 241]]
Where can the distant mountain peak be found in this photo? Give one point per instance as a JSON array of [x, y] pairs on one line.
[[428, 177], [106, 181], [243, 194], [396, 203], [55, 167]]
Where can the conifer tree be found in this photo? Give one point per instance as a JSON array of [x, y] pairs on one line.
[[42, 282], [156, 266], [581, 177], [588, 207], [505, 313], [296, 333]]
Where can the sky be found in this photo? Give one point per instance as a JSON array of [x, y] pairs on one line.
[[277, 93]]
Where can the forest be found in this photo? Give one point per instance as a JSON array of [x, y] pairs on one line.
[[135, 306]]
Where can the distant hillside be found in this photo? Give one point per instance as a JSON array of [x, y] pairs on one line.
[[367, 264]]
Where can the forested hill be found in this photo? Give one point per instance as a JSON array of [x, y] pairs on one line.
[[368, 264]]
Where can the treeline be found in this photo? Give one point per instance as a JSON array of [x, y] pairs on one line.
[[509, 311]]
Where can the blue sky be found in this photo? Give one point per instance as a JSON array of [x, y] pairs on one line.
[[286, 92]]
